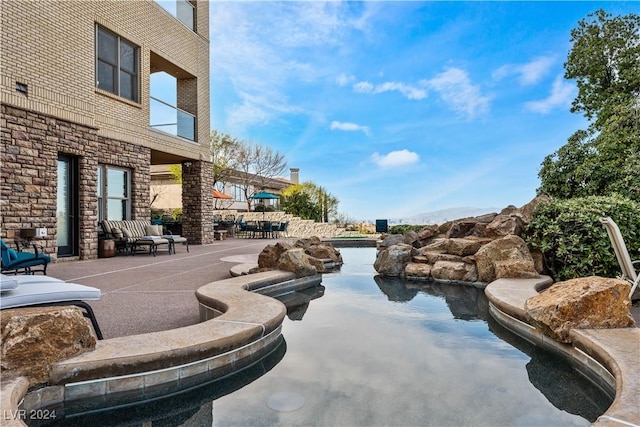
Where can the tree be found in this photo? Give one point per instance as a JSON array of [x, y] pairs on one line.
[[309, 201], [604, 61], [255, 166], [224, 152], [605, 159]]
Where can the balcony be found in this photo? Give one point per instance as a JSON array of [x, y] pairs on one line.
[[172, 120], [182, 10]]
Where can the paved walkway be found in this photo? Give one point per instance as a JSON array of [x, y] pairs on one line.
[[143, 294]]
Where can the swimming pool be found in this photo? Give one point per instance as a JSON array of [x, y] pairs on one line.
[[368, 351]]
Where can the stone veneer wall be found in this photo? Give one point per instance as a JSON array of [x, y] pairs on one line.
[[197, 202], [31, 143], [296, 227]]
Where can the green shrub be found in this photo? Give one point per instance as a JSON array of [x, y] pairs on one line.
[[572, 240], [403, 228]]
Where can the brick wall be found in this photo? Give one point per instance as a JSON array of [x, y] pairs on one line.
[[49, 46]]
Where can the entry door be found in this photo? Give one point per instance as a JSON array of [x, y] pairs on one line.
[[67, 212]]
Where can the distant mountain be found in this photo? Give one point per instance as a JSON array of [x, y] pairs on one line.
[[444, 215]]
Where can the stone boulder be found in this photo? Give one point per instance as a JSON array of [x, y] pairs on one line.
[[454, 271], [307, 242], [462, 247], [325, 251], [427, 232], [298, 262], [411, 238], [437, 245], [503, 225], [393, 260], [392, 239], [418, 270], [583, 303], [511, 257], [270, 255], [461, 228], [526, 211], [33, 339]]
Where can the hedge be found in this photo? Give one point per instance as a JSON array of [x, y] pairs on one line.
[[573, 241]]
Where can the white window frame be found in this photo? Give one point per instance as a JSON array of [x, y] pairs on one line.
[[103, 193]]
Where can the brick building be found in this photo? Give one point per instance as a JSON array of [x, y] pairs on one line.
[[92, 94]]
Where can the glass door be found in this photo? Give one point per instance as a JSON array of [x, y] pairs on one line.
[[67, 206]]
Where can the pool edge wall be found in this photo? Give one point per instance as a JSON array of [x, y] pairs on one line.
[[136, 368]]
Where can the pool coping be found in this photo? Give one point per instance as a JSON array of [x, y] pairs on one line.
[[240, 323], [610, 357], [605, 354]]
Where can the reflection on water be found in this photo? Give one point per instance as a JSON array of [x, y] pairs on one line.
[[363, 350]]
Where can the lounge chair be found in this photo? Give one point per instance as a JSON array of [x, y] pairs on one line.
[[23, 262], [44, 291], [622, 254]]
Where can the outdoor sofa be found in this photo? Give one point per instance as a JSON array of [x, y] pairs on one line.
[[131, 235]]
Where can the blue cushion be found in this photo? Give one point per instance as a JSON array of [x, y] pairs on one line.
[[13, 255]]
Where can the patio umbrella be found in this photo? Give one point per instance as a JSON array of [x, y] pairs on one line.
[[220, 195], [262, 195], [265, 195]]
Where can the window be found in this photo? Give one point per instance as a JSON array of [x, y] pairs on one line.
[[237, 192], [181, 10], [116, 64], [114, 199]]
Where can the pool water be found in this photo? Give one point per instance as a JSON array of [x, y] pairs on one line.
[[370, 351]]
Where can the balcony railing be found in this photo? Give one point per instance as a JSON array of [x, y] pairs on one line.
[[169, 119], [182, 10]]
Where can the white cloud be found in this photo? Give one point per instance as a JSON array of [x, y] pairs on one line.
[[409, 92], [395, 159], [528, 73], [344, 79], [254, 53], [456, 90], [561, 94], [350, 127]]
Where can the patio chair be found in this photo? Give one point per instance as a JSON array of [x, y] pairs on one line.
[[622, 254], [44, 291], [23, 262], [283, 228]]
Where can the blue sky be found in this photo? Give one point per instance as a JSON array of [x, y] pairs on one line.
[[399, 108]]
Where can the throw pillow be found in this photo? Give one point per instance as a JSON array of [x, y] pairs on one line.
[[153, 230], [126, 233]]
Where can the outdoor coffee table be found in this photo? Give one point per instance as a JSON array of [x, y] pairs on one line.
[[173, 239], [152, 242]]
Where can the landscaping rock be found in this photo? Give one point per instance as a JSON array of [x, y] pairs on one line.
[[393, 260], [454, 271], [298, 262], [583, 303], [418, 270], [33, 339], [411, 238], [508, 248], [461, 228], [428, 232], [503, 225], [433, 257], [462, 247], [392, 239], [270, 255], [325, 251]]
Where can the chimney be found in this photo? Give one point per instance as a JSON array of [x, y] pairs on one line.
[[294, 175]]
